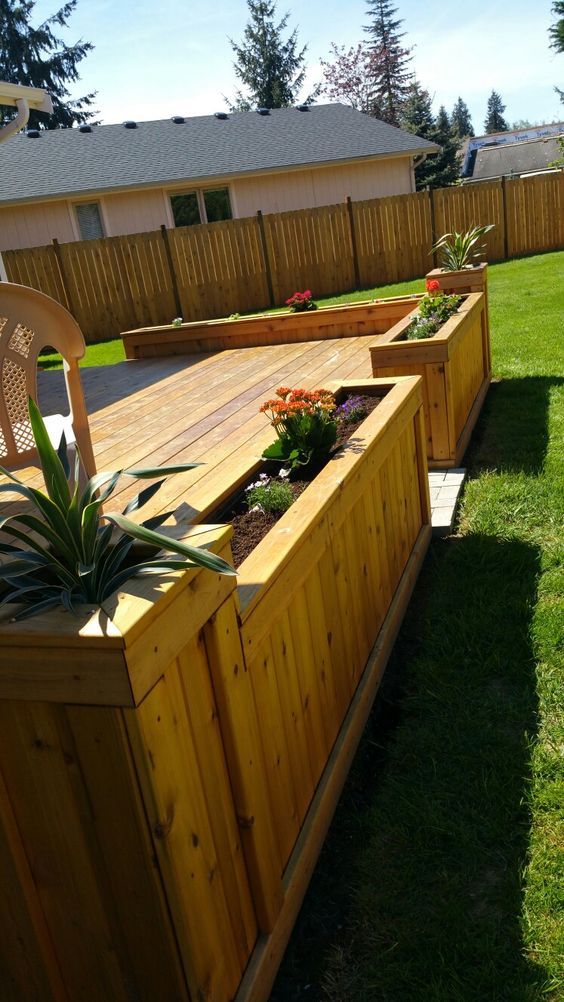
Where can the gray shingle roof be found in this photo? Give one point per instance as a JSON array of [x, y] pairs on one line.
[[111, 157], [515, 158]]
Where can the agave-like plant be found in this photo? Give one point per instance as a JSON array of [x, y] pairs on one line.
[[458, 250], [71, 553]]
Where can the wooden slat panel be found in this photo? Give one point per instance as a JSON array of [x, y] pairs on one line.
[[393, 238], [535, 213], [461, 207], [310, 249], [179, 756], [52, 811], [220, 269]]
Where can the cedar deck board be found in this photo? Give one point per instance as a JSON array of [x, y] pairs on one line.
[[169, 410]]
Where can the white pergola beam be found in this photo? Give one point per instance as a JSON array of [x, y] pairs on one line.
[[34, 97]]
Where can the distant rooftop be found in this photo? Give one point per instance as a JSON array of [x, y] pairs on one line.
[[115, 157], [515, 158]]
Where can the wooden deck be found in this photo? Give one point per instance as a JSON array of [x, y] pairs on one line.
[[194, 408]]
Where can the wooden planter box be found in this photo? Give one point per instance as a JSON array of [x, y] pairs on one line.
[[474, 279], [456, 368], [168, 771], [349, 320]]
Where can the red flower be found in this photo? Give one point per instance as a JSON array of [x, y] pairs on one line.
[[432, 285]]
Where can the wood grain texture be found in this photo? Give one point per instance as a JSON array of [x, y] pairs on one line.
[[117, 283]]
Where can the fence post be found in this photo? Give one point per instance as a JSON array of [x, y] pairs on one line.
[[504, 211], [64, 279], [433, 223], [266, 259], [353, 243], [172, 273]]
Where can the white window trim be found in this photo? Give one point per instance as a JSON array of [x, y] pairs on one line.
[[103, 216]]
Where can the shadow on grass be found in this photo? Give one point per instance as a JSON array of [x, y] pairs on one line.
[[512, 433], [417, 895]]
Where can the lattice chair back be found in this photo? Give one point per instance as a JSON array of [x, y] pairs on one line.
[[29, 322]]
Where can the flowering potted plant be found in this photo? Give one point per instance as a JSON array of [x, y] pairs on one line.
[[303, 421], [301, 302]]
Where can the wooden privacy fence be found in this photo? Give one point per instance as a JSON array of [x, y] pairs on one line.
[[213, 270]]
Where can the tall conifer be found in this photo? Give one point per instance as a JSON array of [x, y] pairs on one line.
[[36, 57], [270, 67], [390, 83], [495, 122], [461, 122]]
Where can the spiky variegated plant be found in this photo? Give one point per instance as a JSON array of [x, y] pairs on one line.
[[71, 554], [458, 250]]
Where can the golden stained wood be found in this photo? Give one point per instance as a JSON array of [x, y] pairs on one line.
[[118, 283], [456, 368]]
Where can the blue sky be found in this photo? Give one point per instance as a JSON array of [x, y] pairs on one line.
[[153, 60]]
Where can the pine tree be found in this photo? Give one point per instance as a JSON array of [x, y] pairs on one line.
[[443, 167], [417, 118], [271, 68], [495, 121], [556, 30], [36, 57], [390, 84], [461, 122]]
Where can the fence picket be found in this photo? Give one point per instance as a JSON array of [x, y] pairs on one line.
[[240, 265]]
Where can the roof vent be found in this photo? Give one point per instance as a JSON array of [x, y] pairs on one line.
[[302, 107], [130, 125], [178, 119], [263, 111], [221, 114], [85, 128], [33, 133]]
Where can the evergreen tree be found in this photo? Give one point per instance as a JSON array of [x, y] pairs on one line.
[[556, 30], [461, 122], [269, 66], [390, 83], [36, 57], [443, 167], [439, 169], [417, 118], [495, 121]]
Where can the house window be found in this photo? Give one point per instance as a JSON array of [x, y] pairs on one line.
[[200, 206], [217, 205], [89, 220], [185, 209]]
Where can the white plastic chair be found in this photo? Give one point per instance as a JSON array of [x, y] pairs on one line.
[[29, 322]]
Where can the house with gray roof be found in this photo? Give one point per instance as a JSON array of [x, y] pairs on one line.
[[108, 180]]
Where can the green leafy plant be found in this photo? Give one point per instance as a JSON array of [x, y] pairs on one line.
[[304, 423], [71, 553], [269, 494], [434, 310], [458, 250], [177, 322]]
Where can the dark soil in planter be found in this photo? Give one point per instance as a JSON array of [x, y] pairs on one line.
[[249, 528]]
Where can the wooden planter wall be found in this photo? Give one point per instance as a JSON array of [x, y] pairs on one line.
[[456, 368], [165, 792], [348, 320]]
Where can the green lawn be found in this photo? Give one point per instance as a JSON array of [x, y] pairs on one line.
[[441, 878]]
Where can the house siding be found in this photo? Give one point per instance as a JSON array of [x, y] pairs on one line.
[[322, 186], [144, 210]]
